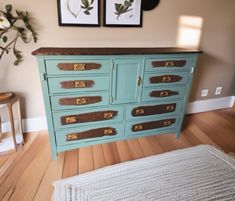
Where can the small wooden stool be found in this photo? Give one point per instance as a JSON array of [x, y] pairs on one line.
[[9, 99]]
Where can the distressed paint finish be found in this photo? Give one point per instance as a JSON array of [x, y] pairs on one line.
[[79, 83]]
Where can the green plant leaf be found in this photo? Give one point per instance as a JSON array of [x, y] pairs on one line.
[[127, 3], [92, 1], [8, 8], [4, 38], [121, 9], [19, 13], [87, 12], [90, 8], [21, 29], [117, 7], [85, 3], [131, 1]]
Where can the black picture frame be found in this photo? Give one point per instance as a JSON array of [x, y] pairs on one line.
[[134, 10], [72, 14]]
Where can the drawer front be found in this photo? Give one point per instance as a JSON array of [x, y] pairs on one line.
[[153, 110], [89, 133], [73, 118], [77, 84], [141, 127], [163, 93], [160, 79], [79, 100], [80, 67], [169, 63]]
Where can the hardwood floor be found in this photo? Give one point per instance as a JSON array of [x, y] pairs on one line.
[[28, 174]]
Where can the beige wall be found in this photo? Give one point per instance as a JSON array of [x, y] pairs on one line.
[[160, 28]]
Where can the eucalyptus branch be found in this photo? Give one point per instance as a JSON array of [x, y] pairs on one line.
[[7, 23], [6, 47]]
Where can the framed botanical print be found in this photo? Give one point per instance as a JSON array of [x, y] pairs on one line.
[[78, 12], [122, 13]]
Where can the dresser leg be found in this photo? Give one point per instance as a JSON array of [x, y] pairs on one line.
[[54, 156], [178, 133]]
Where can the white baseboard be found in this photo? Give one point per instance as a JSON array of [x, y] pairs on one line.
[[34, 124], [29, 125], [210, 104], [39, 123]]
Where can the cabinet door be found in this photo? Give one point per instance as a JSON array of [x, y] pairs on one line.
[[126, 82]]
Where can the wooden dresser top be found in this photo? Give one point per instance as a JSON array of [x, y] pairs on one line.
[[111, 51]]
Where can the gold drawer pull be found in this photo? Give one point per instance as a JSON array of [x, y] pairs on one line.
[[80, 84], [138, 127], [170, 108], [79, 66], [169, 64], [70, 119], [80, 101], [164, 93], [108, 131], [166, 123], [166, 79], [139, 111], [72, 136], [108, 115]]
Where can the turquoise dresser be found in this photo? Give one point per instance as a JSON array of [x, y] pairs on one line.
[[99, 95]]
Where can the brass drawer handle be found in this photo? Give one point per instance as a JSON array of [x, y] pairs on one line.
[[80, 101], [108, 115], [169, 64], [138, 127], [79, 66], [166, 123], [108, 131], [72, 136], [70, 119], [170, 108], [80, 84], [166, 79], [164, 93], [139, 111]]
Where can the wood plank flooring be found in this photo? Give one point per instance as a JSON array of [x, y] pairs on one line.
[[28, 174]]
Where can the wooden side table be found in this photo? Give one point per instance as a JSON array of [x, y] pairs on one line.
[[8, 100]]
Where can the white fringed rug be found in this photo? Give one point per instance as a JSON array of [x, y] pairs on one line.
[[199, 173]]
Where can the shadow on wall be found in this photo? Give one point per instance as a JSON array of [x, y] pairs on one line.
[[206, 64]]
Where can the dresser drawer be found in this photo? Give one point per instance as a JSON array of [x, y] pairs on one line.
[[89, 133], [77, 84], [141, 127], [153, 110], [163, 93], [79, 100], [160, 79], [71, 67], [65, 119], [169, 63]]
